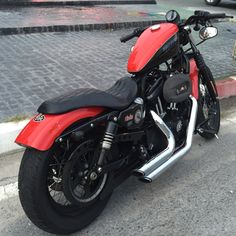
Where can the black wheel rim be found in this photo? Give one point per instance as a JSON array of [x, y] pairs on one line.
[[83, 183], [55, 190]]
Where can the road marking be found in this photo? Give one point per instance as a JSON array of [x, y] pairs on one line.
[[9, 190]]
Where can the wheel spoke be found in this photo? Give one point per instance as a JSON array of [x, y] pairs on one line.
[[87, 189], [55, 164], [56, 159], [50, 186]]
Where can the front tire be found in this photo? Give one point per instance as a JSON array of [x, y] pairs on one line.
[[40, 207], [212, 2], [208, 106]]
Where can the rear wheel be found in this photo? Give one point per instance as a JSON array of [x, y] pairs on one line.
[[212, 2], [60, 192]]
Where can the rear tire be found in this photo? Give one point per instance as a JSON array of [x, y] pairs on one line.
[[212, 2], [38, 204]]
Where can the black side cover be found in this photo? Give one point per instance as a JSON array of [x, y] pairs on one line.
[[177, 88]]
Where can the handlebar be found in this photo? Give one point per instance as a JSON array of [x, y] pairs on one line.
[[204, 16], [136, 33], [199, 17], [127, 37]]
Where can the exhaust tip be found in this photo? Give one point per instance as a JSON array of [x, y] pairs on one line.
[[138, 173], [146, 180]]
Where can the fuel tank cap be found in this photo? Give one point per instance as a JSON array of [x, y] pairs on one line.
[[155, 27]]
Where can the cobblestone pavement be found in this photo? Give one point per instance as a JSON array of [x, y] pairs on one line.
[[40, 66]]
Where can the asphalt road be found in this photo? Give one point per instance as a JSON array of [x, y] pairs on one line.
[[226, 6], [196, 197]]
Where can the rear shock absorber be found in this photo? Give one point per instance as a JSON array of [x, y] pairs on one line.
[[110, 133]]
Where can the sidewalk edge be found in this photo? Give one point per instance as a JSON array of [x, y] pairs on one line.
[[80, 27], [226, 87], [73, 3], [8, 134]]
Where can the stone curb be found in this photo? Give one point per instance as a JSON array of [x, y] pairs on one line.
[[9, 131], [73, 3], [8, 134], [233, 20], [226, 87], [71, 28]]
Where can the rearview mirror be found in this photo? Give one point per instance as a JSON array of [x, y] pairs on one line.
[[208, 32]]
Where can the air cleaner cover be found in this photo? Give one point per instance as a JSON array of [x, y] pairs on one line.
[[177, 88]]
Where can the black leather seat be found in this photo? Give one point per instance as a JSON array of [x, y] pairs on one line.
[[118, 97]]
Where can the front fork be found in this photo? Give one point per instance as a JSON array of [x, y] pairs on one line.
[[207, 76]]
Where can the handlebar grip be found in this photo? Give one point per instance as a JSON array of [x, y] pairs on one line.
[[208, 15], [201, 13], [127, 37], [217, 15]]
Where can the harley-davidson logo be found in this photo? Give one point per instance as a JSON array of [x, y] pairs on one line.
[[129, 117], [39, 118], [182, 89]]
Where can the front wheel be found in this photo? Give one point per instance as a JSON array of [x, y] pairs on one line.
[[208, 106], [48, 202], [212, 2]]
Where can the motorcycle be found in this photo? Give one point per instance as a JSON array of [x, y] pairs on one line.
[[85, 143]]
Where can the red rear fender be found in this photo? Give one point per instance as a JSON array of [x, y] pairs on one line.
[[42, 130]]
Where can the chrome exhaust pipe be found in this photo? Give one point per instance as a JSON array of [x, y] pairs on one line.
[[159, 159], [178, 155]]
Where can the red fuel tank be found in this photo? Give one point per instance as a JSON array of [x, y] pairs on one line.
[[156, 44]]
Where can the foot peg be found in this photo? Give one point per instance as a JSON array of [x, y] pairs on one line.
[[201, 130], [209, 131]]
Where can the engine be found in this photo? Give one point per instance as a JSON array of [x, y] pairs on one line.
[[168, 96], [176, 119]]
